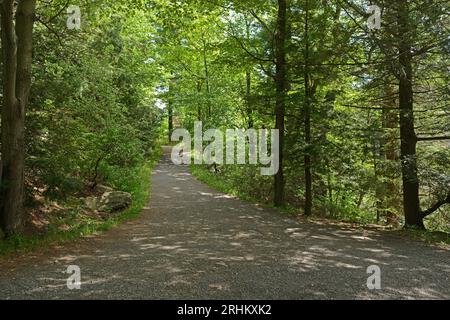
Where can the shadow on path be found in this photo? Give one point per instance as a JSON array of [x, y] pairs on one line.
[[195, 243]]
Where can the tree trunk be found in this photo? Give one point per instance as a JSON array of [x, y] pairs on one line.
[[390, 121], [408, 136], [378, 159], [170, 110], [199, 107], [248, 99], [280, 82], [17, 57], [248, 82], [208, 88], [307, 120]]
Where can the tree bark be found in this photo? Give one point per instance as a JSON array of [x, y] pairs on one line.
[[208, 88], [307, 120], [390, 145], [199, 107], [17, 56], [378, 158], [408, 138], [170, 110], [248, 80], [248, 83], [280, 82]]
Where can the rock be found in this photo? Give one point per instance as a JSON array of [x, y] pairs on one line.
[[102, 188], [91, 203], [114, 201], [213, 168]]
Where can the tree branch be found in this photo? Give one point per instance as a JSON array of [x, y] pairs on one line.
[[436, 206], [433, 138]]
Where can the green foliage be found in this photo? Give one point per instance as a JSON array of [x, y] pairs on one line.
[[233, 180], [77, 225], [92, 117], [354, 109], [92, 107], [100, 99]]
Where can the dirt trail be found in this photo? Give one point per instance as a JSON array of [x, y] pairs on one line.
[[195, 243]]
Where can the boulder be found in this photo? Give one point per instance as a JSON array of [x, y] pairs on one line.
[[102, 188], [91, 203], [113, 201]]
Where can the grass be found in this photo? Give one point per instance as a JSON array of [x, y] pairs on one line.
[[204, 175], [138, 186], [428, 236], [225, 186]]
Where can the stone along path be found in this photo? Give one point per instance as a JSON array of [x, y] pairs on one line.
[[192, 242]]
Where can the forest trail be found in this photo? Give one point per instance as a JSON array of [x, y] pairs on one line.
[[195, 243]]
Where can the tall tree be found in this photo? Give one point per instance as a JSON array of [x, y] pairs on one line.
[[280, 101], [408, 138], [17, 43], [307, 118]]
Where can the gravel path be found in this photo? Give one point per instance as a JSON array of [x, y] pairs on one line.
[[195, 243]]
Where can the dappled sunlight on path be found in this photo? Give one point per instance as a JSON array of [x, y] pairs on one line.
[[193, 242]]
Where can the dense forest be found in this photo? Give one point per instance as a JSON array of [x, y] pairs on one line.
[[362, 110]]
